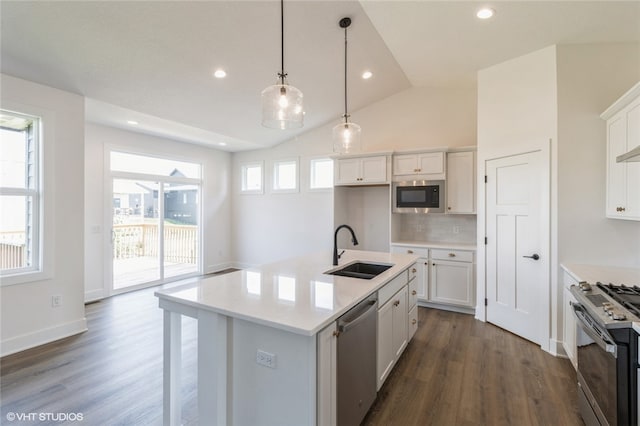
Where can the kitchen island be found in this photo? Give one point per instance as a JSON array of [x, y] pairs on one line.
[[261, 359]]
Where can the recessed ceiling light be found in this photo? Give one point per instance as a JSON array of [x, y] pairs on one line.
[[132, 122], [485, 13], [367, 75], [220, 73], [222, 144]]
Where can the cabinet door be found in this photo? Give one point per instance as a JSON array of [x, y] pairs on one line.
[[405, 164], [431, 163], [616, 172], [326, 376], [633, 168], [461, 182], [347, 171], [400, 321], [452, 283], [569, 338], [386, 355], [374, 169]]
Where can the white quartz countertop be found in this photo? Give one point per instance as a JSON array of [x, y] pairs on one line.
[[435, 245], [294, 295], [604, 274]]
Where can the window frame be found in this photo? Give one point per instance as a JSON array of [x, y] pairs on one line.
[[274, 181], [243, 177], [42, 236], [311, 171]]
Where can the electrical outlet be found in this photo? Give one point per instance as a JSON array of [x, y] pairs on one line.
[[266, 359], [456, 229], [56, 301]]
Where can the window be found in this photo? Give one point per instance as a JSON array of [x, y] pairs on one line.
[[252, 178], [321, 173], [285, 176], [20, 193]]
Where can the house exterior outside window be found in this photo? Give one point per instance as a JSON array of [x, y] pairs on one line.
[[20, 194]]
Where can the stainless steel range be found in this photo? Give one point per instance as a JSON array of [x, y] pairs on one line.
[[607, 352]]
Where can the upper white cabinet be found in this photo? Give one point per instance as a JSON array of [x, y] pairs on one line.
[[362, 170], [623, 134], [425, 165], [461, 182]]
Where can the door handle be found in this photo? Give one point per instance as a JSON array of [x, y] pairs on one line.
[[534, 256]]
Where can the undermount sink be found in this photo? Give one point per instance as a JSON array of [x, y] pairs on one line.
[[365, 271]]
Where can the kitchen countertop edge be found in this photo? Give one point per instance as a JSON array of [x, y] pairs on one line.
[[401, 263]]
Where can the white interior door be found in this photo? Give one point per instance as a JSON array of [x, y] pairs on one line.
[[517, 240]]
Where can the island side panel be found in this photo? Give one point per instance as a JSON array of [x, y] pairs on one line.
[[284, 395]]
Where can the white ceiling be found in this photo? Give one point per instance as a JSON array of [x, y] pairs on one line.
[[152, 62]]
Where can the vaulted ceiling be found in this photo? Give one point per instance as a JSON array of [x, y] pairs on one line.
[[153, 61]]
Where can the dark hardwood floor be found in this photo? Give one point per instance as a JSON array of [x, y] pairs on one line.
[[459, 371], [456, 371]]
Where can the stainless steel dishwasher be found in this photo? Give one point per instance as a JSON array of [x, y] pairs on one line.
[[356, 381]]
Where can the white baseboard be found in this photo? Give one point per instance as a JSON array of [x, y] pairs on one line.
[[218, 267], [556, 348], [40, 337], [93, 295]]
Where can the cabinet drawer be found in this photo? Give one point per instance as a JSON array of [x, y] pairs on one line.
[[417, 251], [413, 293], [413, 272], [454, 255], [392, 287], [413, 321]]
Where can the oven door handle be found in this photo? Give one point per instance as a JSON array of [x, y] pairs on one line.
[[600, 336]]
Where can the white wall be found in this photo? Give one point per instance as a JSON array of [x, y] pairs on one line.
[[274, 226], [215, 198], [27, 317], [590, 78], [516, 111], [563, 88]]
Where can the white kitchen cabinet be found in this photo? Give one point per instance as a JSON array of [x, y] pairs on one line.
[[425, 165], [393, 333], [327, 375], [569, 329], [623, 134], [421, 268], [461, 182], [361, 170], [413, 300], [451, 278]]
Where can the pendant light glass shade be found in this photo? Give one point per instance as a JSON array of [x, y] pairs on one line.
[[346, 138], [346, 135], [282, 107]]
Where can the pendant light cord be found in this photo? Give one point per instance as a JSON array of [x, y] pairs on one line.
[[282, 74], [346, 115]]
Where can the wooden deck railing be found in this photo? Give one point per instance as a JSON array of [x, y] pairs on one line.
[[180, 242], [13, 250]]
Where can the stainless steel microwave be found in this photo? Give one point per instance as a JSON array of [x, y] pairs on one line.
[[418, 196]]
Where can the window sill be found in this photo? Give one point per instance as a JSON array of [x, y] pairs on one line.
[[24, 278]]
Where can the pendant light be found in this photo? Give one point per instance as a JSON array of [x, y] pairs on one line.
[[346, 135], [281, 103]]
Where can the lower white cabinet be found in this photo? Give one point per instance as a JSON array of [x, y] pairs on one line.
[[393, 332], [569, 324], [452, 283], [327, 375]]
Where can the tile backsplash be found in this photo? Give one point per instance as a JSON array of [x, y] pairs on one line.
[[437, 228]]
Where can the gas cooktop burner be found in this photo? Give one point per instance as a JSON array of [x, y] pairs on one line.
[[629, 297]]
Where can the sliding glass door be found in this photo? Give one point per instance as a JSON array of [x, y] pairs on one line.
[[155, 226]]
